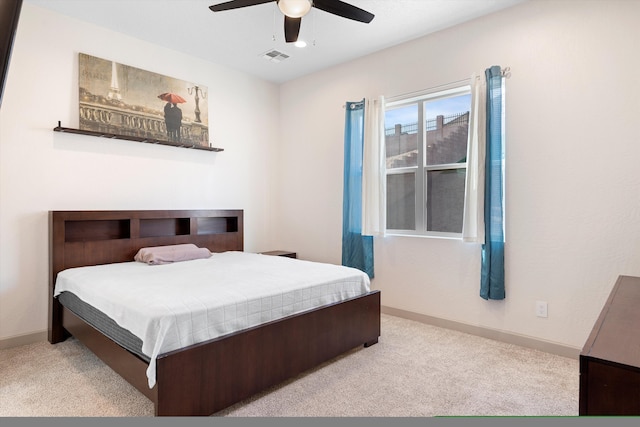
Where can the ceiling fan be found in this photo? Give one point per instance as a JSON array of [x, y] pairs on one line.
[[294, 10]]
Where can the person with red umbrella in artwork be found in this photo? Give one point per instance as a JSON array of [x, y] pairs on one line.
[[172, 115]]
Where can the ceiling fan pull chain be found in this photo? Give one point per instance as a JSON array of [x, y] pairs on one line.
[[273, 26], [313, 27]]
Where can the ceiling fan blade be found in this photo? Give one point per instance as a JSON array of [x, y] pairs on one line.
[[236, 4], [291, 29], [343, 9]]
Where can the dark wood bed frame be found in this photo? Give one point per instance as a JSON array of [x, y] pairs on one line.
[[203, 378]]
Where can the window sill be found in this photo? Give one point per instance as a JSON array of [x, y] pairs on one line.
[[444, 236]]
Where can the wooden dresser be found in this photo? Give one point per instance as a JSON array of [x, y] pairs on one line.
[[610, 359]]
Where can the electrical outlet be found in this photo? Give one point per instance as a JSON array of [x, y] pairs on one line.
[[541, 308]]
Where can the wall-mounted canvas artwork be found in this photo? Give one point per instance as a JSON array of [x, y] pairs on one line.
[[124, 100]]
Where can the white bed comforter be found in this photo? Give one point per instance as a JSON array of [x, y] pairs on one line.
[[175, 305]]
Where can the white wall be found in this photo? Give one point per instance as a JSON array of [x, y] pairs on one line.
[[572, 184], [42, 170]]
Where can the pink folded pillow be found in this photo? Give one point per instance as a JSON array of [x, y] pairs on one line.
[[155, 255]]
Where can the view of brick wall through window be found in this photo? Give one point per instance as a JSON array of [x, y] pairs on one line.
[[446, 143]]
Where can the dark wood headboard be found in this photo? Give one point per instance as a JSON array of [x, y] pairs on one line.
[[81, 238]]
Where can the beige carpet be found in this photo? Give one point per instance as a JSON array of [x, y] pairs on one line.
[[416, 370]]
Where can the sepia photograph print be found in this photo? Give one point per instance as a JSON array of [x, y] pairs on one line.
[[124, 100]]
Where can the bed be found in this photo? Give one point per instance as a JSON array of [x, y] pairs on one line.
[[205, 377]]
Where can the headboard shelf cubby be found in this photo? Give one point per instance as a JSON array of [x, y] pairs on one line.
[[156, 227], [107, 229], [217, 225]]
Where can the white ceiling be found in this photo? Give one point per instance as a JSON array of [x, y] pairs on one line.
[[238, 38]]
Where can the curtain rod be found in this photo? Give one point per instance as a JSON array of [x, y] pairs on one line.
[[430, 89], [505, 72]]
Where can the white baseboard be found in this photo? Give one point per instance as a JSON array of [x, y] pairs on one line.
[[20, 340], [508, 337], [494, 334]]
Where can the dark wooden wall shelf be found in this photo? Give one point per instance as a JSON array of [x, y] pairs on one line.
[[132, 138]]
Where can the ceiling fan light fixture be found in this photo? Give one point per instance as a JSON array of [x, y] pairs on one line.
[[294, 8]]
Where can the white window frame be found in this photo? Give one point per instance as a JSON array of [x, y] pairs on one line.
[[422, 168]]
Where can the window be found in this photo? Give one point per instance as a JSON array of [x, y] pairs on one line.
[[426, 162]]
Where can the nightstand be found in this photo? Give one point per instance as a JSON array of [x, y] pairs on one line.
[[281, 253]]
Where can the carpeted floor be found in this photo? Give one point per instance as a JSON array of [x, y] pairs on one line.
[[415, 370]]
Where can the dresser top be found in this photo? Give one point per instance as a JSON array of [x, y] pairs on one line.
[[616, 335]]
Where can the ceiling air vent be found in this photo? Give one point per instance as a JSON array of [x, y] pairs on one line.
[[274, 56]]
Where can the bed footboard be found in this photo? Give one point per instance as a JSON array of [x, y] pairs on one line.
[[206, 378]]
